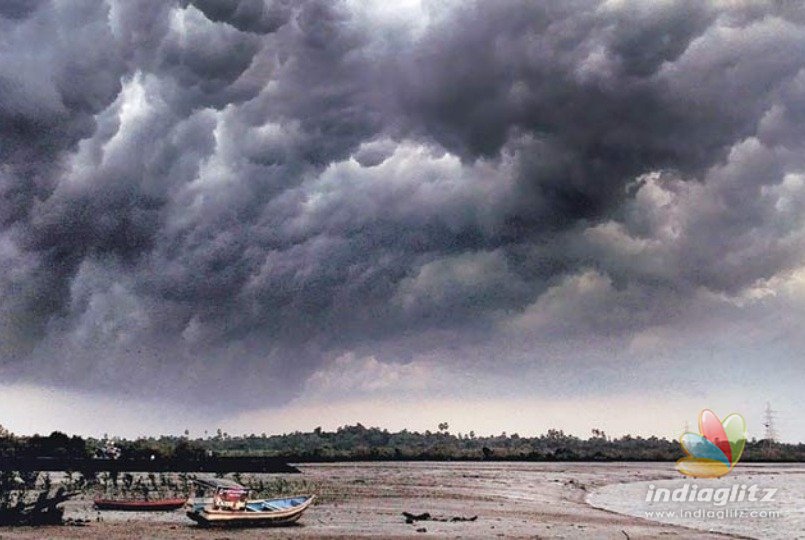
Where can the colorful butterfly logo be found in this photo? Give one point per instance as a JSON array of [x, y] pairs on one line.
[[715, 450]]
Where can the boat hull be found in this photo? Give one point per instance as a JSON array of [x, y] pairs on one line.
[[208, 517], [159, 505]]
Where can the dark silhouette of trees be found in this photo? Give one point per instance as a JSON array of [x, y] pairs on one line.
[[359, 442]]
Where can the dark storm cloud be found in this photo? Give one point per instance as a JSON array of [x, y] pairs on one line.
[[248, 15], [19, 9], [198, 189]]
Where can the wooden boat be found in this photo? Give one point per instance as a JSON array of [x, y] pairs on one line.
[[230, 507], [132, 505]]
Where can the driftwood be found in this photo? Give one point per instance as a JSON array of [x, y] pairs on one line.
[[410, 518], [425, 516]]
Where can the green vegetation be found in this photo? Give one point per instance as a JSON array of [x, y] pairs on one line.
[[361, 443], [56, 444], [28, 497]]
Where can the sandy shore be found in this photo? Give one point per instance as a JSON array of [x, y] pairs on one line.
[[776, 512], [367, 499]]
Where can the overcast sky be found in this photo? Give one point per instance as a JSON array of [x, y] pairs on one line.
[[271, 215]]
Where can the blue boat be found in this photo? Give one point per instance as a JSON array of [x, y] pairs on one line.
[[229, 506]]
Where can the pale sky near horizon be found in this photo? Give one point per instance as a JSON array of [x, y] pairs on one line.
[[510, 216]]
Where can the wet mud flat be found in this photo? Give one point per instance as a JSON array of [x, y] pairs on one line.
[[458, 499]]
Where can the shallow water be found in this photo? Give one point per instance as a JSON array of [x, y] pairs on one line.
[[727, 508]]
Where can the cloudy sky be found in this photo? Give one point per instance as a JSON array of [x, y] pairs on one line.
[[271, 215]]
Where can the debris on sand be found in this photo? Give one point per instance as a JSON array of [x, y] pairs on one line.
[[462, 518], [576, 484], [410, 518], [425, 516]]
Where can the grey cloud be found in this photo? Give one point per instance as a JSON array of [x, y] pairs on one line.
[[194, 190], [260, 16], [19, 9]]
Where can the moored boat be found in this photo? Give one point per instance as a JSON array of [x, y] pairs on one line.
[[230, 507], [139, 505]]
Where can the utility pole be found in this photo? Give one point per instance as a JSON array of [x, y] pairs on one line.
[[770, 432]]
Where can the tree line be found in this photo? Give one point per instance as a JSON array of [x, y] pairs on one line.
[[358, 442]]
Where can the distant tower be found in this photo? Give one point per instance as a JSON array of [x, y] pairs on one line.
[[685, 427], [770, 433]]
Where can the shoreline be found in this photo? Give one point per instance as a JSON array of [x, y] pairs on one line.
[[774, 511], [691, 529]]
